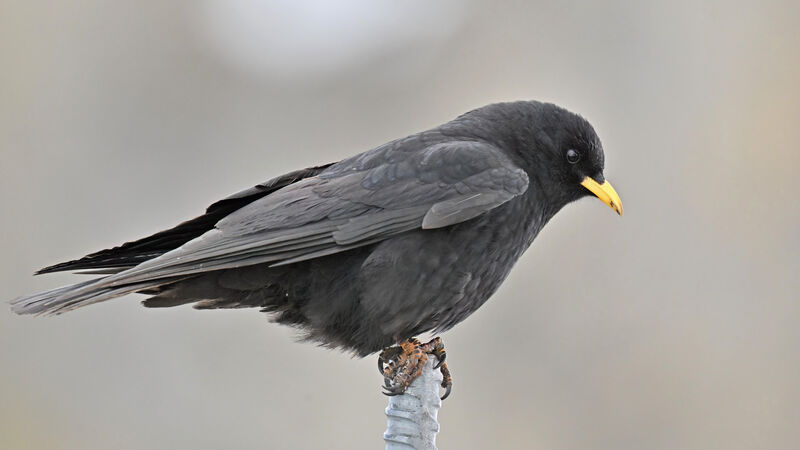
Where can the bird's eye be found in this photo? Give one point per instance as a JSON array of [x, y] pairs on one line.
[[573, 156]]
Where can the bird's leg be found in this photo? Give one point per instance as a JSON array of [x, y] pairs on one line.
[[404, 363]]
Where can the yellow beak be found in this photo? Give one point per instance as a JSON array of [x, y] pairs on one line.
[[604, 192]]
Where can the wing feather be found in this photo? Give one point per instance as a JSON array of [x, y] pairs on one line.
[[351, 204], [441, 186]]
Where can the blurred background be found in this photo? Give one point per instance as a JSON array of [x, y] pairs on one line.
[[672, 327]]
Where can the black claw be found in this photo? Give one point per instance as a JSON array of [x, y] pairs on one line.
[[447, 388], [387, 354], [391, 391], [440, 357]]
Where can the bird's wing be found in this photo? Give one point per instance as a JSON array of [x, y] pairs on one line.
[[356, 202], [130, 254]]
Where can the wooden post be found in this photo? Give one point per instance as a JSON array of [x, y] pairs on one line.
[[412, 423]]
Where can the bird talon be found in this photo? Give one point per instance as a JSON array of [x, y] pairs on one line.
[[387, 355], [391, 391], [440, 359], [447, 380], [447, 391], [402, 364]]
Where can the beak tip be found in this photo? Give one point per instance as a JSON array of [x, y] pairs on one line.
[[604, 192]]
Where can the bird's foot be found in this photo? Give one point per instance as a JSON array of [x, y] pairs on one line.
[[402, 364]]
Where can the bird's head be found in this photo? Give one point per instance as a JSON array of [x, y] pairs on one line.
[[558, 149]]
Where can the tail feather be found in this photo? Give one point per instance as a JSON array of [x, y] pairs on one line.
[[66, 298]]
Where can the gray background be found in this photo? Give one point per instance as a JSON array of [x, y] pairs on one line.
[[672, 327]]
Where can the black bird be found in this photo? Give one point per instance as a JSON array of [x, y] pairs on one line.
[[362, 254]]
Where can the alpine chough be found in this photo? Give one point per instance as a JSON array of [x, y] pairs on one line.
[[368, 252]]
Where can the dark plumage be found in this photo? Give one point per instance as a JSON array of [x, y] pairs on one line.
[[409, 237]]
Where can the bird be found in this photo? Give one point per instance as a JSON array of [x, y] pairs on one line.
[[367, 253]]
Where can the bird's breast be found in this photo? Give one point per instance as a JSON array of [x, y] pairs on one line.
[[436, 278]]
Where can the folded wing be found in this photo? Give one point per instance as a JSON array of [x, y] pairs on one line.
[[356, 202]]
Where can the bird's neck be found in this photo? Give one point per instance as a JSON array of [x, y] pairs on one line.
[[540, 205]]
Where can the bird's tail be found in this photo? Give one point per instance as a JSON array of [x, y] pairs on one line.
[[67, 298]]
